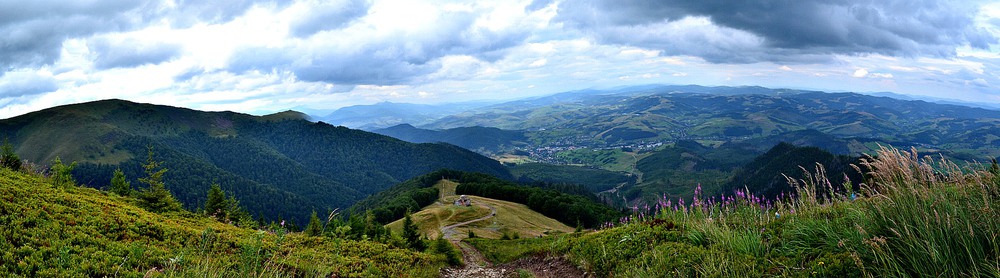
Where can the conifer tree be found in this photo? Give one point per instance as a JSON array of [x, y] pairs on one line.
[[120, 185], [215, 205], [8, 158], [156, 197], [61, 173], [314, 228], [411, 234]]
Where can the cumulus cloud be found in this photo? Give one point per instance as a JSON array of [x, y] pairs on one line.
[[185, 13], [32, 32], [370, 53], [328, 16], [111, 53], [787, 31], [860, 73]]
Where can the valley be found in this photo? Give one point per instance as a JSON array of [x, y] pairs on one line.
[[508, 139], [639, 172]]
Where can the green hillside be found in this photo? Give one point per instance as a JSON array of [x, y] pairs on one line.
[[569, 204], [766, 174], [280, 166], [595, 180], [481, 139], [509, 218], [71, 231], [633, 117], [913, 217]]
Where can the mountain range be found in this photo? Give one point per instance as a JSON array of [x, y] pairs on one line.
[[278, 166], [637, 115], [387, 114]]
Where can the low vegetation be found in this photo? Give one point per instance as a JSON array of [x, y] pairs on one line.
[[569, 204], [909, 217], [65, 230]]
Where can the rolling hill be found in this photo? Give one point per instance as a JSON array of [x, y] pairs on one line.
[[571, 205], [476, 138], [638, 115], [387, 114], [497, 218], [279, 166], [71, 231]]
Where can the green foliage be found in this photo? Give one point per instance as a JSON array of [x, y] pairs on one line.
[[215, 205], [279, 167], [411, 195], [411, 234], [120, 185], [913, 218], [314, 228], [766, 174], [82, 232], [566, 208], [443, 247], [547, 199], [62, 174], [477, 138], [505, 251], [595, 180], [155, 197], [8, 158]]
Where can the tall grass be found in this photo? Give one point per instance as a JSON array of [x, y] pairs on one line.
[[932, 217], [911, 216]]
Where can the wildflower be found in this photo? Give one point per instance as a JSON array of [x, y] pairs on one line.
[[821, 263], [853, 196], [777, 215], [282, 223]]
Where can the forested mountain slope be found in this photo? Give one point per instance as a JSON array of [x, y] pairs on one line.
[[279, 166]]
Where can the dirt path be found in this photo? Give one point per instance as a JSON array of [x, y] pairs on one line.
[[476, 264], [449, 231]]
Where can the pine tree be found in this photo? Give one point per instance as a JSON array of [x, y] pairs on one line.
[[216, 203], [8, 158], [411, 234], [314, 228], [62, 174], [156, 197], [442, 246], [120, 185]]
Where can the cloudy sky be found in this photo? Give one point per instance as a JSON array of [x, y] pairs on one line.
[[265, 56]]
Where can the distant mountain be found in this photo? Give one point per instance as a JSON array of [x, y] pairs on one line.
[[629, 116], [277, 165], [387, 114], [477, 138], [991, 106]]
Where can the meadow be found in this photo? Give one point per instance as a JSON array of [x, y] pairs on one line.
[[911, 216]]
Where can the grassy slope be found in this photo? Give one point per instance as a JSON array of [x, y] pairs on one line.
[[511, 217], [77, 231], [914, 218]]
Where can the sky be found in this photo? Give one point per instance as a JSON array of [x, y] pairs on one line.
[[260, 57]]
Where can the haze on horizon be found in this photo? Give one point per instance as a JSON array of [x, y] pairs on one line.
[[265, 56]]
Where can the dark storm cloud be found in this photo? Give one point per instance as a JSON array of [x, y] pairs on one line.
[[329, 16], [793, 27], [388, 60], [32, 32], [127, 53], [19, 84]]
